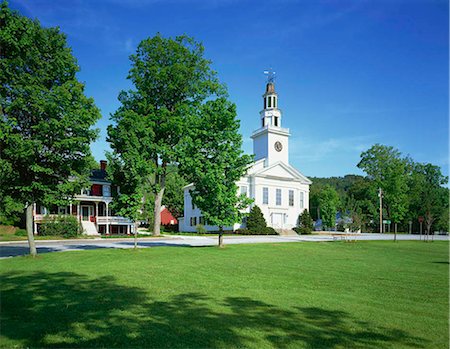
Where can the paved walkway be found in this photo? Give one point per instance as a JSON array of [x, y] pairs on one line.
[[14, 248]]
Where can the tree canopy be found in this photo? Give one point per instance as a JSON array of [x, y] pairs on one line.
[[410, 189], [45, 117], [171, 80], [215, 162]]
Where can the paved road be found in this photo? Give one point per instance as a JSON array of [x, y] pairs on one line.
[[12, 249]]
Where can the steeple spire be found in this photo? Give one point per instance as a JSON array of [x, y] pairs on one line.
[[270, 98]]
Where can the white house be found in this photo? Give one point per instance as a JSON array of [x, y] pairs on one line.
[[281, 191]]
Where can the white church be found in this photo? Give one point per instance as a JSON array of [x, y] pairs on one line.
[[280, 190]]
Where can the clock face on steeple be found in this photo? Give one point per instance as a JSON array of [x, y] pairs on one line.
[[278, 146]]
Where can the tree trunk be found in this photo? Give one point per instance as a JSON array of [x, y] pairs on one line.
[[135, 235], [29, 220], [221, 237], [429, 219], [395, 231], [157, 212]]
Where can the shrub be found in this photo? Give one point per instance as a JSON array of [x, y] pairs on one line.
[[243, 231], [201, 229], [269, 231], [305, 224], [256, 223], [66, 226], [340, 226], [255, 220], [20, 232]]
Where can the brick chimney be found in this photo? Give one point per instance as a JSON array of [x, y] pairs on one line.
[[103, 165]]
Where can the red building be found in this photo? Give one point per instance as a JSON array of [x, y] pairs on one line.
[[167, 218]]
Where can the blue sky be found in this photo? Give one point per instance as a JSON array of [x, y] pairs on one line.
[[349, 73]]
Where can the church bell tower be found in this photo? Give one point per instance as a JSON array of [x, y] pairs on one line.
[[271, 141]]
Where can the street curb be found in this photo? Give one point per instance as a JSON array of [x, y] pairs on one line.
[[89, 240]]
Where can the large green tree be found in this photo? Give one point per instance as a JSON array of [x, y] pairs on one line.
[[215, 162], [171, 80], [389, 171], [45, 117], [329, 203], [428, 197]]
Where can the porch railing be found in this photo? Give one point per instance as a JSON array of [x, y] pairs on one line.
[[112, 220]]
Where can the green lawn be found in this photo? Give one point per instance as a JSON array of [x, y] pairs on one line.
[[303, 295]]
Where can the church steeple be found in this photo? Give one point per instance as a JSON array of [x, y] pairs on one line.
[[271, 115], [270, 141]]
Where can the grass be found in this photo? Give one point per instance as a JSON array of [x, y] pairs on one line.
[[302, 295]]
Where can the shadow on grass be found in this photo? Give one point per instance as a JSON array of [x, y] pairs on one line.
[[72, 310]]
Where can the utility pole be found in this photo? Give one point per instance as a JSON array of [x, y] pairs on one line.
[[380, 195]]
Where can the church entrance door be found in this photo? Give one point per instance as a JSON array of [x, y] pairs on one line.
[[277, 220]]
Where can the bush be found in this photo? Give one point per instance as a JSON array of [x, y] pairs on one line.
[[243, 231], [264, 231], [20, 232], [305, 224], [340, 226], [269, 231], [201, 229], [255, 220], [65, 226]]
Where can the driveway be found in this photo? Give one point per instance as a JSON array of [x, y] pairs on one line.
[[13, 249]]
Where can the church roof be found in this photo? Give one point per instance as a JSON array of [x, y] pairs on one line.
[[281, 171]]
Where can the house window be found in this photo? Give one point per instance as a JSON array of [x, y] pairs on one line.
[[62, 210], [291, 198], [106, 190], [278, 197], [302, 199], [193, 221], [244, 190], [201, 220], [265, 196]]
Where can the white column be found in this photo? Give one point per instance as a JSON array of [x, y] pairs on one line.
[[107, 218], [34, 220], [128, 229], [70, 209], [78, 212], [96, 215]]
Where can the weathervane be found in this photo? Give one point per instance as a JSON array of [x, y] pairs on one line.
[[270, 75]]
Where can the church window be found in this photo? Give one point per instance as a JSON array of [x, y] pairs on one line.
[[244, 190], [265, 196], [270, 102], [302, 199], [274, 102], [262, 121], [276, 120], [278, 197], [265, 103], [291, 198]]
